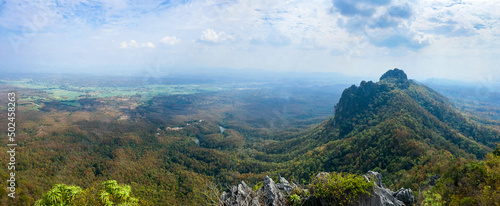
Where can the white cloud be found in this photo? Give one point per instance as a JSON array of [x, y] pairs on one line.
[[170, 40], [294, 34], [148, 45], [457, 19], [210, 36], [133, 44], [129, 44], [123, 45]]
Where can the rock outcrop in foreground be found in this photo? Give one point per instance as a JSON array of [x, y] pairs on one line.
[[272, 194], [383, 196]]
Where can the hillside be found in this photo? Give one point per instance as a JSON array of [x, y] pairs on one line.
[[170, 150], [391, 126], [408, 132], [161, 139], [415, 112]]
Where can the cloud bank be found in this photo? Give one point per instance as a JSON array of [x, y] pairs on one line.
[[363, 36], [384, 23]]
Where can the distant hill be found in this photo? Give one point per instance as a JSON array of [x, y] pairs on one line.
[[480, 99], [422, 113], [391, 125]]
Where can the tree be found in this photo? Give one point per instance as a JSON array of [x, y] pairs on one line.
[[496, 152], [110, 193], [340, 188], [432, 199], [60, 194]]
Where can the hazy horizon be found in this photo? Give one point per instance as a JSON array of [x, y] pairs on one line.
[[453, 40]]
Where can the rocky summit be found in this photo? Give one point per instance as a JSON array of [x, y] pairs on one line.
[[396, 73]]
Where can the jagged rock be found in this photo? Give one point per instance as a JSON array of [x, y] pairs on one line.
[[255, 201], [405, 195], [271, 193], [375, 177], [240, 195], [285, 185], [381, 196]]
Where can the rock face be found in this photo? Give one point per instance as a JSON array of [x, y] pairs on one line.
[[374, 177], [285, 185], [405, 195], [382, 196], [272, 194], [240, 195]]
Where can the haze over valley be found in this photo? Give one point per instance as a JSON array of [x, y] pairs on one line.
[[327, 102]]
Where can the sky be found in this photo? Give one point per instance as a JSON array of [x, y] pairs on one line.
[[449, 39]]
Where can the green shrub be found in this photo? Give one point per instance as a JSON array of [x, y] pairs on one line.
[[257, 186], [114, 193], [110, 193], [294, 199], [340, 189], [432, 199], [60, 194]]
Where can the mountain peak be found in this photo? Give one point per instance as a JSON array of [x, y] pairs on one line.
[[396, 103], [396, 73]]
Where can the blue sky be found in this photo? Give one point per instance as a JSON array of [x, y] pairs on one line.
[[440, 39]]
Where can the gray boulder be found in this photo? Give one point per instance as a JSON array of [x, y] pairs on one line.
[[405, 195], [271, 193], [285, 185], [375, 177], [240, 195], [381, 196]]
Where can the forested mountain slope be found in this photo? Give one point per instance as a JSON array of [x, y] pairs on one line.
[[169, 148], [391, 126]]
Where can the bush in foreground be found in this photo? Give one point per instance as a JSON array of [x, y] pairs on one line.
[[109, 193]]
